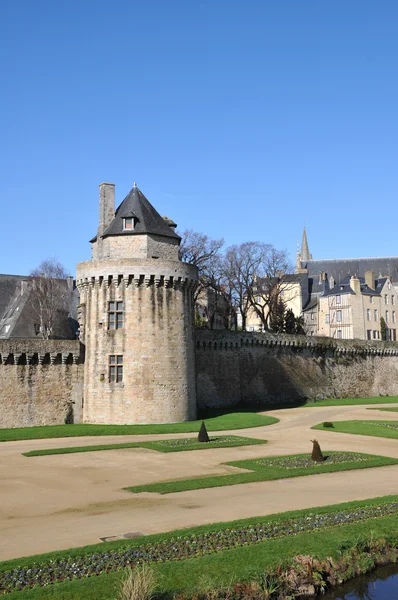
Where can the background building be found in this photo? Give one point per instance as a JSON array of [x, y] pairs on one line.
[[350, 298]]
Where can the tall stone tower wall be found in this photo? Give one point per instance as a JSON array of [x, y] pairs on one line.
[[155, 342]]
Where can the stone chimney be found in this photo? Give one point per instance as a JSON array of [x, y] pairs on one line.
[[370, 279], [69, 283], [106, 206], [170, 223], [355, 284]]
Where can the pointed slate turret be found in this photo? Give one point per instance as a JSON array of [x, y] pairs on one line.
[[305, 254], [146, 219]]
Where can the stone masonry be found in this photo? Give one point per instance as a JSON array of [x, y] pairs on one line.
[[249, 368], [41, 382], [135, 267]]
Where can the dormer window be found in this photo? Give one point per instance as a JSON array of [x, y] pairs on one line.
[[128, 223]]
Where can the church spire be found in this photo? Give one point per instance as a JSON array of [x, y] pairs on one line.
[[305, 253]]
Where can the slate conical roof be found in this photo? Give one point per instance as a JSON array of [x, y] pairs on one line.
[[305, 251], [147, 219]]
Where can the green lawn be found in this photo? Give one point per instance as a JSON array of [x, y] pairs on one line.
[[386, 429], [238, 564], [353, 401], [225, 422], [269, 468], [177, 445], [388, 409]]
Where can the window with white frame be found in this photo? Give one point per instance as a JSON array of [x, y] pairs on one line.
[[393, 316], [376, 314], [338, 299], [368, 314], [128, 223], [327, 318], [338, 316], [387, 316]]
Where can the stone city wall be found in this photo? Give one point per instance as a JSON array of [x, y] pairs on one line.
[[41, 382], [236, 368]]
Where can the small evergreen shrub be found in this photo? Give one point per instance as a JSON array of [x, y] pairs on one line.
[[328, 424], [316, 455], [203, 435]]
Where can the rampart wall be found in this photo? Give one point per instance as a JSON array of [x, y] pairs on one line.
[[40, 382], [234, 368]]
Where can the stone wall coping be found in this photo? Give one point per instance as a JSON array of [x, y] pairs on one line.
[[136, 267], [224, 340], [30, 345], [27, 351]]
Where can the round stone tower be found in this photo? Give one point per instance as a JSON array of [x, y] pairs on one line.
[[136, 317]]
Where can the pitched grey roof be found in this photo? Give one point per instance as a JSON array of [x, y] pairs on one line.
[[147, 219], [344, 287], [17, 319], [340, 268], [311, 304]]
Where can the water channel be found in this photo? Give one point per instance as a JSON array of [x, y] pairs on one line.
[[381, 584]]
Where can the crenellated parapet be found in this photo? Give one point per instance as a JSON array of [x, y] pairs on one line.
[[40, 352], [231, 340], [135, 273]]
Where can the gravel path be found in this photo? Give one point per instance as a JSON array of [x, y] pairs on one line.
[[57, 502]]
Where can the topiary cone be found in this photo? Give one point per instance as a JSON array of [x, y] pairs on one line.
[[316, 455], [203, 435]]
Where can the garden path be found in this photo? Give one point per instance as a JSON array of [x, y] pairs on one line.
[[62, 501]]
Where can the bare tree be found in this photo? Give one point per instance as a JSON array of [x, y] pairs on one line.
[[49, 296], [241, 266], [272, 288], [205, 253], [198, 249]]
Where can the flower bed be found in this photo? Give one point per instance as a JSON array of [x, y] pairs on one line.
[[181, 548], [385, 424], [180, 443], [298, 462]]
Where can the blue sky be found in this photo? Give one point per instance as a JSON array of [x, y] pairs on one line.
[[244, 120]]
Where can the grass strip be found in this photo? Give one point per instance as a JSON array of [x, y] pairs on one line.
[[387, 409], [262, 470], [353, 401], [385, 429], [176, 445], [225, 422], [193, 543]]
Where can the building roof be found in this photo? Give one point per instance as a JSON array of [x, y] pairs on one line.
[[344, 287], [311, 304], [340, 268], [146, 219], [262, 283], [17, 316]]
